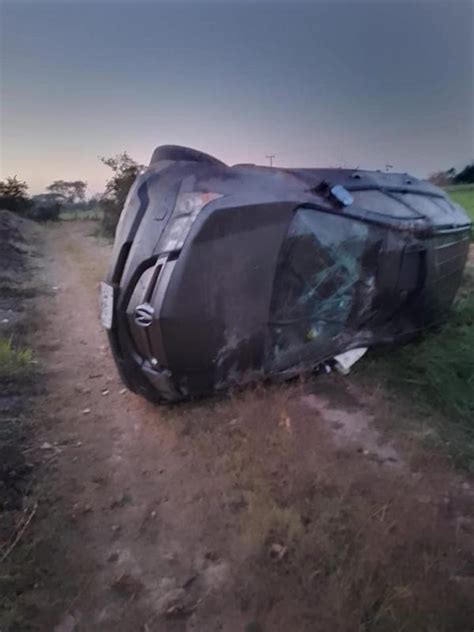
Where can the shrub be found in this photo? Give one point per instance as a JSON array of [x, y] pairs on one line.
[[125, 170], [46, 207], [48, 213], [465, 176], [110, 216], [13, 362], [14, 196]]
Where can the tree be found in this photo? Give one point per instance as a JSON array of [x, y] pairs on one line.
[[125, 170], [465, 176], [450, 176], [442, 178], [93, 203], [14, 195], [72, 190]]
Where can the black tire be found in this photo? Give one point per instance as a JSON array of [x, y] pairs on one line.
[[176, 152]]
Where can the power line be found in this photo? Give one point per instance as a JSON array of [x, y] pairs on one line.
[[270, 158]]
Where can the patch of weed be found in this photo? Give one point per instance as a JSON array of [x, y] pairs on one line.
[[436, 373], [14, 363], [265, 520]]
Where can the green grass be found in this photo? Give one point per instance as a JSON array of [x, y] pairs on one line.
[[14, 363], [463, 194], [436, 374]]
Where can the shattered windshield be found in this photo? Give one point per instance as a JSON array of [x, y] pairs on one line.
[[316, 280]]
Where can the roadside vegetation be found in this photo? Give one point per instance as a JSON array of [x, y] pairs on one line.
[[436, 376], [125, 170], [463, 194], [66, 200], [14, 362], [459, 186]]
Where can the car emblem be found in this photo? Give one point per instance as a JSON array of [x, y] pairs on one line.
[[144, 314]]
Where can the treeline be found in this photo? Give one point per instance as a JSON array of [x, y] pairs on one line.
[[451, 176], [47, 206], [71, 195]]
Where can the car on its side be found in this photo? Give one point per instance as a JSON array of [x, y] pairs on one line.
[[224, 275]]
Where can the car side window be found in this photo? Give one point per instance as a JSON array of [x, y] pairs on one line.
[[315, 283]]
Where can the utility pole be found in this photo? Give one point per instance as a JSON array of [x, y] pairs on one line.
[[270, 158]]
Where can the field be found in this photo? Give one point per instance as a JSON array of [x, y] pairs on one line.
[[92, 214], [463, 194]]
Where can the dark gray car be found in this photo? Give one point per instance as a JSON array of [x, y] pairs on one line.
[[226, 275]]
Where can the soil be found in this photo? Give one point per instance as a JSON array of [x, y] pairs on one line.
[[224, 514], [17, 257]]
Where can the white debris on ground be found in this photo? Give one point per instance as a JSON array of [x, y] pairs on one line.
[[344, 361]]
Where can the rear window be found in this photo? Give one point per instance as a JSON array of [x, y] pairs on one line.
[[379, 202], [438, 209]]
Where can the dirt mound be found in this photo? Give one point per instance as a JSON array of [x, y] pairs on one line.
[[16, 235], [14, 231], [12, 221]]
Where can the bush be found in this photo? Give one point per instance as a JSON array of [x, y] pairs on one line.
[[125, 171], [465, 176], [46, 213], [46, 207], [446, 178], [14, 196], [110, 216]]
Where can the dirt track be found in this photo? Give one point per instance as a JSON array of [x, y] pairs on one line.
[[220, 515]]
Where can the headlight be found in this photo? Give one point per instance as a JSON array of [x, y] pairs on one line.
[[187, 208]]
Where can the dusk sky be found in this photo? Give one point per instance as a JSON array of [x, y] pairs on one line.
[[315, 83]]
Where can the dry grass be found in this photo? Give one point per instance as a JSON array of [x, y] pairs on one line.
[[93, 269], [359, 548], [267, 523], [323, 538]]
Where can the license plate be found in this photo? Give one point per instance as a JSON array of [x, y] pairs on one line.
[[106, 305]]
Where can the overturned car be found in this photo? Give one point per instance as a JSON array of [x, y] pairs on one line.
[[224, 275]]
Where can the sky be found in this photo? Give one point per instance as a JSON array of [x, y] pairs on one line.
[[340, 83]]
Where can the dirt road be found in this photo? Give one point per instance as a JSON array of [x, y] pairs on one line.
[[276, 509]]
